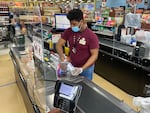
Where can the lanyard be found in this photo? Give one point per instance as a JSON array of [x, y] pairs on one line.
[[75, 41]]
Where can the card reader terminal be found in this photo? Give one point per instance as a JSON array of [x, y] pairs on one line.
[[66, 95]]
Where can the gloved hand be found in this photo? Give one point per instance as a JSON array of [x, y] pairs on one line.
[[76, 71]]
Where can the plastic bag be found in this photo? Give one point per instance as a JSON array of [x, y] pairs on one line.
[[133, 20], [147, 38], [143, 103], [75, 71], [140, 36]]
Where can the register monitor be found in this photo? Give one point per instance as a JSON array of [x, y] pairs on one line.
[[61, 22]]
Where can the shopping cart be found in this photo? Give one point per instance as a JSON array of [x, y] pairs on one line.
[[4, 37]]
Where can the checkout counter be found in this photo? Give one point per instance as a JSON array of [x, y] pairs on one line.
[[125, 66], [38, 94]]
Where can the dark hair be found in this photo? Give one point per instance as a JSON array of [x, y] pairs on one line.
[[75, 14]]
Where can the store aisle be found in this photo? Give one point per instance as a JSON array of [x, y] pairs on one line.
[[11, 99], [6, 70], [4, 50]]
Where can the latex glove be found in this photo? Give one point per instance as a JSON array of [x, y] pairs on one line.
[[70, 67], [76, 71]]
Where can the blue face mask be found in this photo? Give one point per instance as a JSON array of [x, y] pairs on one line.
[[75, 29]]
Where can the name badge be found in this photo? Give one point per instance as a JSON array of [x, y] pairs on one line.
[[82, 41]]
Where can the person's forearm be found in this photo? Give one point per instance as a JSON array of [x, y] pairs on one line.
[[59, 47], [60, 52], [90, 61]]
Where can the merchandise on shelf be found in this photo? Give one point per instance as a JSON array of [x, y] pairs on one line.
[[145, 21], [105, 24], [88, 11], [4, 13], [146, 18], [117, 12], [105, 11], [139, 11], [50, 9], [4, 21], [25, 11]]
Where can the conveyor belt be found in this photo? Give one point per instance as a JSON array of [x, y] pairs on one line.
[[93, 102]]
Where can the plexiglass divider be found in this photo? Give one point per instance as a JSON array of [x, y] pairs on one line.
[[39, 88], [43, 67]]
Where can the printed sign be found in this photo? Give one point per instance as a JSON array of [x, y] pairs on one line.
[[38, 47], [56, 37]]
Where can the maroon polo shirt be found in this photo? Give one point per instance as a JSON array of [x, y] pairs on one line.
[[80, 44]]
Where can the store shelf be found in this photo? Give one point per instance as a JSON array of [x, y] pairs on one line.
[[4, 16], [103, 25], [31, 22], [3, 7], [103, 33], [5, 20], [4, 12]]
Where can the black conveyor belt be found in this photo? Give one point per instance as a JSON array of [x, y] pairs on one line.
[[91, 101]]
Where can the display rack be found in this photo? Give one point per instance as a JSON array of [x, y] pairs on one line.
[[88, 11], [4, 22], [103, 29], [4, 14], [105, 25]]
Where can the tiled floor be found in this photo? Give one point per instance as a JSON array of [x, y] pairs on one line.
[[3, 50], [6, 70], [10, 97], [11, 100]]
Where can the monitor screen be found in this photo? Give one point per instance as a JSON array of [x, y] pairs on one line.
[[61, 22], [68, 91]]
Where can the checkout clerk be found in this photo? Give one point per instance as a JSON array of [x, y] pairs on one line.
[[83, 44]]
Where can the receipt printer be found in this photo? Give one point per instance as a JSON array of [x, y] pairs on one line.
[[66, 95]]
